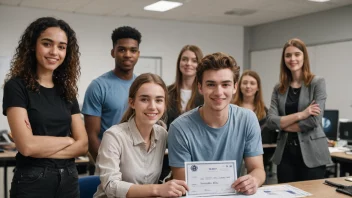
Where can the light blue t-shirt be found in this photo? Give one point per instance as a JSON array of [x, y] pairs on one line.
[[107, 97], [191, 139]]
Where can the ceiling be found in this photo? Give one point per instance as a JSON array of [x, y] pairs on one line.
[[200, 11]]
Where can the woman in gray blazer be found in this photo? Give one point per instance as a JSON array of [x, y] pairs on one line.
[[296, 111]]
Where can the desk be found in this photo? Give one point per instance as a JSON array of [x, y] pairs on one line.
[[341, 158], [8, 158], [344, 160], [269, 150], [269, 146], [320, 190]]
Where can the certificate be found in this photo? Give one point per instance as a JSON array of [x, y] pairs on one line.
[[207, 178]]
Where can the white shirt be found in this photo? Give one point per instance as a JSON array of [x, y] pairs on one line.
[[123, 160], [185, 96]]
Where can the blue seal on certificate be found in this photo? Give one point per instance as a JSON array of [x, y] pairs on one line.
[[194, 168]]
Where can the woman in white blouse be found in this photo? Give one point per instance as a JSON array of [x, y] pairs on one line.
[[131, 153]]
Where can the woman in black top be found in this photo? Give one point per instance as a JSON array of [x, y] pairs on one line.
[[42, 110], [296, 110], [183, 93]]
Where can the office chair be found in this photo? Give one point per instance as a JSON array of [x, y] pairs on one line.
[[88, 185]]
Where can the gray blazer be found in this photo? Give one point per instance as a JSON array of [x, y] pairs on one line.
[[312, 138]]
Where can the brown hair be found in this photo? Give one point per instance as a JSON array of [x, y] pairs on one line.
[[24, 62], [137, 83], [175, 88], [285, 73], [217, 61], [259, 106]]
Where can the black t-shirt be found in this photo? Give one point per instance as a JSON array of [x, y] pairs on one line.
[[291, 106], [48, 113]]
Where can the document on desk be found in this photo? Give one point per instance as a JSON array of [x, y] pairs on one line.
[[258, 194], [208, 178], [278, 191], [284, 191]]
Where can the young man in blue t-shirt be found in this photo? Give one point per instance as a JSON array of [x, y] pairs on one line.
[[106, 98], [218, 130]]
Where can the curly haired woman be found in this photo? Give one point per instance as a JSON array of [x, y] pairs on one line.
[[42, 110]]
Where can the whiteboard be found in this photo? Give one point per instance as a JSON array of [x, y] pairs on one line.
[[331, 61], [148, 64], [334, 63], [267, 65]]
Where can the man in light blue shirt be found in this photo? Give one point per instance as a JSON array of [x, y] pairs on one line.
[[106, 98], [218, 130]]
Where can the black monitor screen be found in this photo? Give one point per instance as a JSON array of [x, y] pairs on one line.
[[330, 123]]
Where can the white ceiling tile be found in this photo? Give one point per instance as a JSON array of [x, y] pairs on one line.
[[72, 5], [209, 11], [99, 7], [46, 4], [10, 2]]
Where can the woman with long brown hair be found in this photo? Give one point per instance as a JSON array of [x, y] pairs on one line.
[[43, 113], [183, 93], [296, 111], [249, 94], [131, 153]]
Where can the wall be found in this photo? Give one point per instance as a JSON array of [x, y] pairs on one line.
[[318, 28], [328, 37], [159, 38]]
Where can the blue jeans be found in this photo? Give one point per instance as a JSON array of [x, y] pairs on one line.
[[45, 182]]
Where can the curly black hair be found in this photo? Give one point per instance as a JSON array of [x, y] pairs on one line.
[[125, 32], [24, 62]]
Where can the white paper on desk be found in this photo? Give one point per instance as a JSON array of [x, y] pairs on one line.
[[284, 191], [258, 194], [338, 149], [209, 178]]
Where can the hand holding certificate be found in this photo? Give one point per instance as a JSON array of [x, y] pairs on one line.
[[246, 184], [211, 177]]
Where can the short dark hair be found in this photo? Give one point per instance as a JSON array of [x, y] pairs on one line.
[[125, 32], [217, 61]]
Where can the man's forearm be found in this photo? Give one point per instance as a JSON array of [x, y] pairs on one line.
[[94, 143], [259, 174], [178, 173]]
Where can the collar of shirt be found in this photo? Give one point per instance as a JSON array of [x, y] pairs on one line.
[[136, 136]]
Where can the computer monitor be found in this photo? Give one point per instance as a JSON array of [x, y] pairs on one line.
[[330, 123], [346, 131]]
